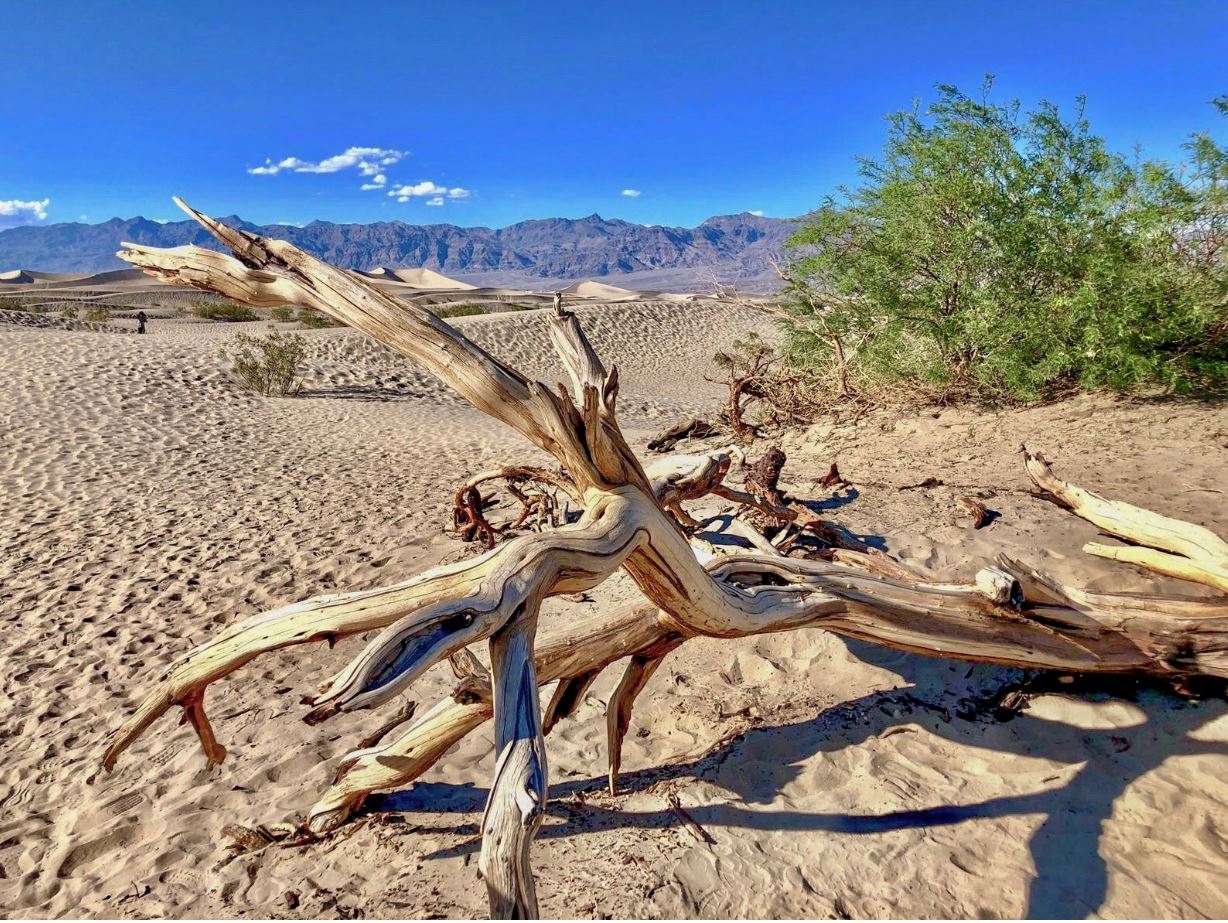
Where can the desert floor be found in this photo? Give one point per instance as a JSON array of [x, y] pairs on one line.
[[146, 501]]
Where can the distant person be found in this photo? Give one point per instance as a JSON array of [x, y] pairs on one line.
[[140, 322]]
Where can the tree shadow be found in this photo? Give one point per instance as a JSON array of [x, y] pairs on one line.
[[833, 502], [1071, 876]]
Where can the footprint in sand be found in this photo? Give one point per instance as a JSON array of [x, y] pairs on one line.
[[83, 854], [117, 807]]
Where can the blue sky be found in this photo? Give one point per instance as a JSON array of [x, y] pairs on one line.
[[489, 113]]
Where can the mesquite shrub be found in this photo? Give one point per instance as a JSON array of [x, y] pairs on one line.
[[1007, 255]]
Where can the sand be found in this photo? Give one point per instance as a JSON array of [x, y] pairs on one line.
[[145, 502]]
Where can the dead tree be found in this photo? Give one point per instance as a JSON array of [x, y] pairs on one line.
[[535, 489], [631, 520]]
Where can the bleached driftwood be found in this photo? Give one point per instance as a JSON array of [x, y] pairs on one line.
[[1166, 546], [632, 519]]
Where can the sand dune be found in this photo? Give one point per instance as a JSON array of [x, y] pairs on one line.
[[591, 289], [146, 502], [119, 279], [31, 276], [418, 278], [116, 277]]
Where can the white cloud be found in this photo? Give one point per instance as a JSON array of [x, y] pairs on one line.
[[18, 211], [424, 188], [436, 193], [378, 181], [631, 193], [367, 160], [757, 212]]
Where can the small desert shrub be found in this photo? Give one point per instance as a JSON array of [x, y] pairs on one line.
[[314, 319], [458, 310], [69, 312], [96, 314], [227, 311], [269, 364], [282, 314]]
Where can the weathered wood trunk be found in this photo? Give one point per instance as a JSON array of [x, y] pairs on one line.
[[633, 519]]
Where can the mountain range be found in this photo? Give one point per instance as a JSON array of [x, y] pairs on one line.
[[730, 249]]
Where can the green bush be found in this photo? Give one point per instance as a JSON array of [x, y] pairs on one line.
[[96, 314], [1007, 255], [227, 311], [269, 364], [282, 314], [310, 318], [457, 310], [69, 312]]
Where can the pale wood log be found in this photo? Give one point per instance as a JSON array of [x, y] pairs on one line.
[[678, 478], [568, 695], [732, 526], [1182, 549], [639, 671], [1171, 565], [586, 647], [518, 793], [1007, 616], [381, 768]]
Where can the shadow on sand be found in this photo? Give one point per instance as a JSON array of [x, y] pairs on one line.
[[1071, 876]]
